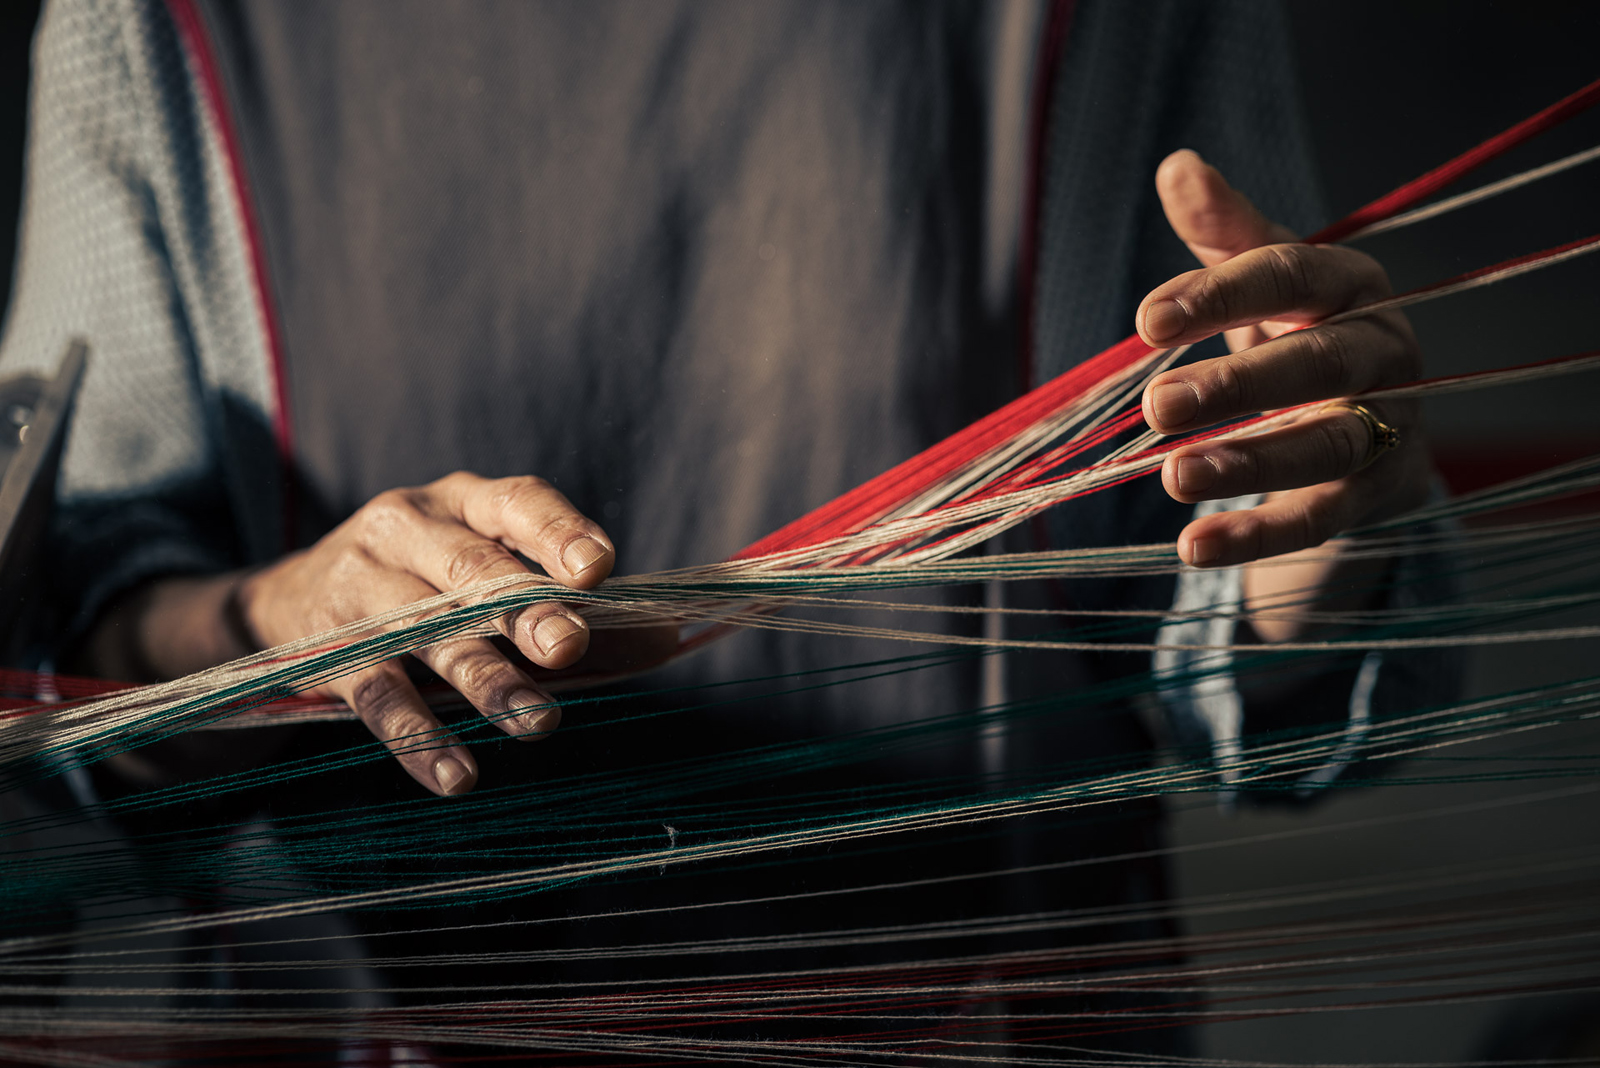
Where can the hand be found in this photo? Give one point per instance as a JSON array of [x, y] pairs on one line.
[[409, 544], [1257, 285]]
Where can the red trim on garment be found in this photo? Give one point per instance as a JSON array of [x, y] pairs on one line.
[[1051, 46], [192, 32]]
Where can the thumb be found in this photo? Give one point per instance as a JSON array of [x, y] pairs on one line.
[[1214, 219]]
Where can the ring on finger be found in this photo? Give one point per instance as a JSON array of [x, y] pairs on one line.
[[1382, 437]]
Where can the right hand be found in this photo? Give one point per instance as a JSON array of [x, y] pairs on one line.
[[409, 544]]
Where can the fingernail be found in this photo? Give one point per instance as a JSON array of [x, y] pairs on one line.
[[452, 775], [551, 631], [1164, 319], [1174, 404], [542, 718], [1203, 551], [582, 553], [1195, 474]]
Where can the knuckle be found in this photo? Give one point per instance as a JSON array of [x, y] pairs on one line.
[[1328, 360], [518, 492], [554, 531], [375, 691], [474, 561], [1210, 299], [454, 483], [1291, 530], [1249, 535], [342, 595], [1292, 272], [481, 674], [380, 698], [536, 504], [1248, 467], [331, 613], [390, 509], [1310, 528], [1231, 385], [1342, 445]]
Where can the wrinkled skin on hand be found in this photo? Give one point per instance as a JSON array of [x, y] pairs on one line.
[[409, 544], [1258, 286]]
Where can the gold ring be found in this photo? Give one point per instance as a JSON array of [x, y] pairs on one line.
[[1384, 436]]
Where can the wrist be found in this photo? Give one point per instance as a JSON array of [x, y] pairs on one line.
[[169, 627]]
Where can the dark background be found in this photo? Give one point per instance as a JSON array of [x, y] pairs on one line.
[[1393, 89]]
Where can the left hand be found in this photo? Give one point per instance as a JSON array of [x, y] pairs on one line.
[[1257, 286]]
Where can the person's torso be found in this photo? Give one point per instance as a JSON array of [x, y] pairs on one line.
[[703, 266]]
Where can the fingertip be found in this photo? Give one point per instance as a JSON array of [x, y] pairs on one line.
[[1177, 164], [1187, 477], [1191, 478], [1170, 406], [1181, 169], [1205, 548], [1204, 551], [587, 559], [1211, 541], [1162, 321], [531, 715], [1207, 213], [1169, 482], [555, 639], [454, 772]]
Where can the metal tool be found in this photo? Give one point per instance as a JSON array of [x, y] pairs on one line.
[[34, 415]]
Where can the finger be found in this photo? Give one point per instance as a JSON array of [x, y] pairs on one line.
[[405, 532], [478, 671], [1215, 220], [533, 518], [1285, 524], [1321, 447], [1288, 283], [382, 696], [1296, 368], [397, 715]]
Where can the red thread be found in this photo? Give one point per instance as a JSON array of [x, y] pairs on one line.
[[871, 499], [877, 496], [1417, 190]]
